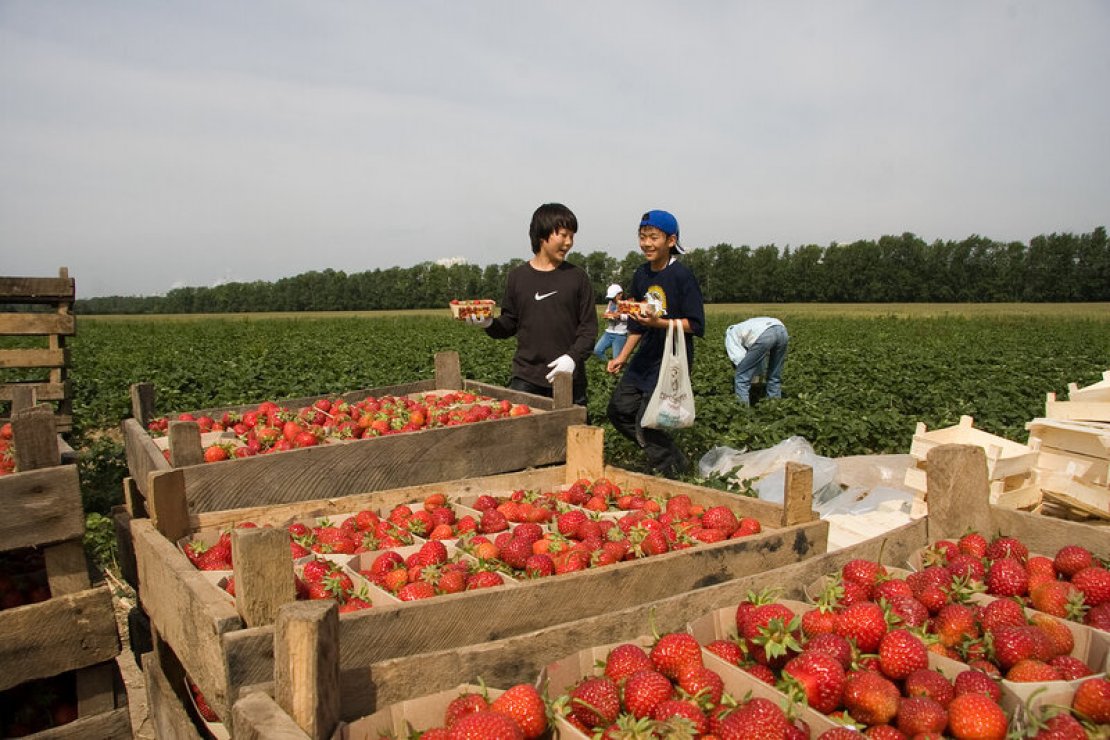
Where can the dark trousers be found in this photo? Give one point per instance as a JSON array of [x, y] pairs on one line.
[[626, 408]]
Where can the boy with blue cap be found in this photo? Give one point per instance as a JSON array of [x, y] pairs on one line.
[[673, 290]]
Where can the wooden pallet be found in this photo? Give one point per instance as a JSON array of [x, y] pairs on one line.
[[51, 360], [75, 629], [224, 649], [957, 487], [380, 463]]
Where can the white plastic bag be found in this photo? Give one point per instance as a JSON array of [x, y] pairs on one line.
[[672, 403]]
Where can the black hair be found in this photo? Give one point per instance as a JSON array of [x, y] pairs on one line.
[[549, 218]]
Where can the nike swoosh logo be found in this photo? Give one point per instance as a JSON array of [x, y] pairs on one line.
[[545, 295]]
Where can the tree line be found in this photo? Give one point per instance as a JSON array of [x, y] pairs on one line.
[[893, 269]]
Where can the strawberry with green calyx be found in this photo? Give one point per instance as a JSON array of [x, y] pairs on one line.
[[645, 689], [822, 619], [753, 599], [870, 697], [863, 622], [526, 707], [771, 634], [671, 652], [816, 678]]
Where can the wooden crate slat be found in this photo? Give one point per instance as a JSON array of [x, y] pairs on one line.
[[40, 507], [113, 725], [27, 324], [184, 609], [165, 695], [444, 453], [33, 358], [43, 391], [61, 634], [37, 289]]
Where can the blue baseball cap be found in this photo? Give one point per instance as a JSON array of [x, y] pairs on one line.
[[665, 222]]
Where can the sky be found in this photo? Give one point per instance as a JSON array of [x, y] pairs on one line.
[[151, 144]]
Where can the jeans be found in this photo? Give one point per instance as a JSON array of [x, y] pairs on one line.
[[609, 339], [773, 345], [626, 408]]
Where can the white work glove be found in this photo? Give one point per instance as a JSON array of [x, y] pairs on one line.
[[479, 321], [561, 364]]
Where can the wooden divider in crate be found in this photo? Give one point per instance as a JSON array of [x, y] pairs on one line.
[[1099, 391], [224, 653]]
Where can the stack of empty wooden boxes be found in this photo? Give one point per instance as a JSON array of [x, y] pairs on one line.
[[1072, 442], [1010, 465]]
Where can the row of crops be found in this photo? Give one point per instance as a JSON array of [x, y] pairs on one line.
[[853, 384]]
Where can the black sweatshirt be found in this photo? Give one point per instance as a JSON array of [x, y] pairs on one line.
[[551, 313]]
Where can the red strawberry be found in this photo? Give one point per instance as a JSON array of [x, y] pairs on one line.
[[1030, 670], [727, 650], [870, 698], [1092, 700], [703, 685], [690, 717], [834, 645], [759, 719], [1059, 636], [976, 716], [643, 690], [595, 702], [526, 707], [1070, 559], [1099, 617], [863, 571], [416, 590], [977, 682], [909, 611], [483, 579], [626, 659], [921, 715], [819, 676], [1007, 577], [953, 623], [966, 566], [462, 705], [973, 544], [720, 517], [1007, 547], [1070, 667], [901, 653], [1012, 645], [770, 633], [1094, 582], [930, 683], [1000, 613], [485, 725], [673, 651], [865, 623]]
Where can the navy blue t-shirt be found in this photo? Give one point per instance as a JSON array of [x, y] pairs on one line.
[[676, 291]]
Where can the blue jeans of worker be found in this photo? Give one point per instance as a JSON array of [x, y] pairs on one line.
[[609, 339], [771, 344]]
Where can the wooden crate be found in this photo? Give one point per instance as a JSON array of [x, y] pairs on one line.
[[1005, 458], [392, 461], [75, 629], [1099, 391], [49, 362], [1098, 411], [102, 710], [960, 495], [223, 653]]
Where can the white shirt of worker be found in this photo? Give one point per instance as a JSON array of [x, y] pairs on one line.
[[739, 337]]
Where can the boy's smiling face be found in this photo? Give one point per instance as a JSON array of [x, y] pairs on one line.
[[656, 246], [555, 247]]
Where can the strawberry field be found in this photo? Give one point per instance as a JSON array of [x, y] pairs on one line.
[[854, 382]]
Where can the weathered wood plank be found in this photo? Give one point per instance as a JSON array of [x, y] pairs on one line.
[[61, 634], [258, 717], [585, 452], [306, 666], [67, 570], [185, 610], [142, 403], [263, 573], [798, 494], [562, 391], [185, 445], [37, 289], [444, 453], [167, 505], [27, 324], [40, 507], [166, 702], [957, 490], [43, 391], [112, 725], [143, 456], [96, 689], [454, 621], [518, 658], [36, 443], [448, 371], [28, 358]]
